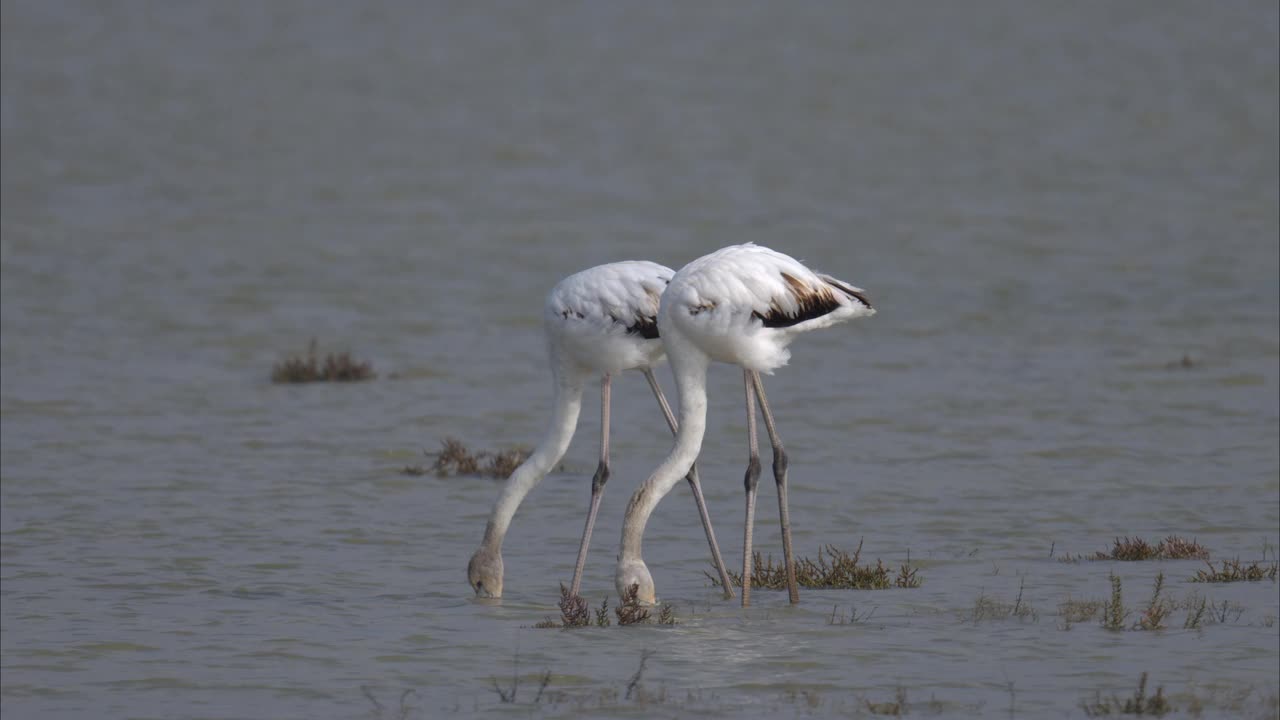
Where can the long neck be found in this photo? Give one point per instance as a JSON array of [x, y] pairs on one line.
[[690, 367], [564, 420]]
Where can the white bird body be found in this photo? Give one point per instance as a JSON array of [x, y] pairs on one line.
[[743, 304], [602, 320], [597, 322]]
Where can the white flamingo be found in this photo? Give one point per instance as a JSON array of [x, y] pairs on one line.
[[598, 322], [743, 305]]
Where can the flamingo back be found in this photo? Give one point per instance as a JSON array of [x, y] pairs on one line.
[[744, 304], [604, 319]]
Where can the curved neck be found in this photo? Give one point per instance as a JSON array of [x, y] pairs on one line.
[[690, 367], [564, 420]]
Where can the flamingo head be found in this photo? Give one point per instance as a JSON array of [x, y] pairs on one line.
[[634, 572], [484, 572]]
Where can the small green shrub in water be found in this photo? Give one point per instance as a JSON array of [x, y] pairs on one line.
[[1170, 548], [1113, 612], [1235, 571], [1157, 609], [840, 572]]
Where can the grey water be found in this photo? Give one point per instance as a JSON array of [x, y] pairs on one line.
[[1052, 206]]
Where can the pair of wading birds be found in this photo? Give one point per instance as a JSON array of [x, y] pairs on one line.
[[743, 304]]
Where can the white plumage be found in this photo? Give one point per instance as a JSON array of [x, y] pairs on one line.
[[603, 319], [600, 321], [743, 305]]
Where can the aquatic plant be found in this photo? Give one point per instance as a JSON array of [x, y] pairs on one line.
[[1228, 608], [454, 458], [1170, 548], [852, 618], [1236, 571], [666, 616], [1071, 612], [1138, 704], [989, 608], [1157, 609], [834, 569], [1113, 611], [574, 611], [340, 367], [630, 611], [1195, 615]]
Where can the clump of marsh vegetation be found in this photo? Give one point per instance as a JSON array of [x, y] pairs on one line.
[[834, 569], [1138, 704], [1113, 611], [334, 367], [1201, 612], [1236, 571], [1078, 611], [575, 612], [1158, 608], [1113, 614], [573, 609], [1170, 548], [455, 458], [632, 612], [989, 608]]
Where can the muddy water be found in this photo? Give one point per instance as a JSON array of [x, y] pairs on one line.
[[1052, 208]]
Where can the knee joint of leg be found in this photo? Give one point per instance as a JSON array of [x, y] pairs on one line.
[[601, 477], [752, 477], [779, 462]]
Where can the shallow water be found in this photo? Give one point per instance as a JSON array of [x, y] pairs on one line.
[[1050, 206]]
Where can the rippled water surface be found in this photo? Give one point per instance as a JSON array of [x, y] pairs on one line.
[[1052, 206]]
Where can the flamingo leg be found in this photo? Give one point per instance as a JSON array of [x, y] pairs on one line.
[[696, 486], [750, 481], [597, 485], [780, 477]]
